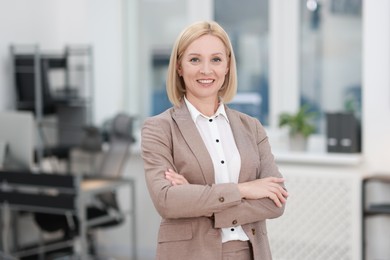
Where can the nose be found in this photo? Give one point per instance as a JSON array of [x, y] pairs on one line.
[[205, 69]]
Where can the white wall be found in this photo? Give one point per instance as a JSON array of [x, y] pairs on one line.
[[54, 23], [376, 85]]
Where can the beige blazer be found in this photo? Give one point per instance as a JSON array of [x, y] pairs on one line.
[[192, 215]]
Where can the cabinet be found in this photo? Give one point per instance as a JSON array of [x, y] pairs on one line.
[[376, 217]]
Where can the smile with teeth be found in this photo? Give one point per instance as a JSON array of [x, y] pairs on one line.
[[205, 81]]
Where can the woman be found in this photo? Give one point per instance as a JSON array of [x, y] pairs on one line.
[[209, 169]]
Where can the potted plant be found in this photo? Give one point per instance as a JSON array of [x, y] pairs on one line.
[[300, 127]]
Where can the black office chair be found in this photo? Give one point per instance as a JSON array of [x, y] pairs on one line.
[[66, 105], [106, 204], [24, 76]]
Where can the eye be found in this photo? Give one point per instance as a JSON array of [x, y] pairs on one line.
[[216, 59], [194, 60]]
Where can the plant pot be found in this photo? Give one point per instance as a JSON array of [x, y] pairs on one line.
[[298, 142]]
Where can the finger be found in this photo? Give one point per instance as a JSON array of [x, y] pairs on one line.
[[273, 180], [168, 177], [282, 199], [275, 199], [180, 178], [183, 180], [283, 191], [280, 188], [173, 174], [277, 180], [274, 185], [278, 195], [178, 181]]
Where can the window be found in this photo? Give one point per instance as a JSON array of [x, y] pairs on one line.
[[159, 29], [315, 57], [247, 26], [331, 56]]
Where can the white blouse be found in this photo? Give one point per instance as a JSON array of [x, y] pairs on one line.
[[218, 138]]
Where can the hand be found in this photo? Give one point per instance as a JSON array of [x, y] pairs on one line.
[[264, 188], [175, 178]]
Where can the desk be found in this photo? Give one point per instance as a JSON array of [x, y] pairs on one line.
[[61, 194]]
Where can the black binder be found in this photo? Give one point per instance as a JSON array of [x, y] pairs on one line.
[[343, 133]]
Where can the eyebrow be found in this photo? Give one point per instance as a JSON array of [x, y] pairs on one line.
[[197, 54]]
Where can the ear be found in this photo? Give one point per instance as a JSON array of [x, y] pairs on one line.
[[179, 70]]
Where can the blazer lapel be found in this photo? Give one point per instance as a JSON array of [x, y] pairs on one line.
[[243, 142], [187, 127]]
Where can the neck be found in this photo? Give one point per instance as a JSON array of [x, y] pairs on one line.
[[207, 107]]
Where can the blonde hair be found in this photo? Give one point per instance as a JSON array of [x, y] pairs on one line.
[[175, 84]]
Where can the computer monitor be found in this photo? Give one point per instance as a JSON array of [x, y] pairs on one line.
[[17, 135]]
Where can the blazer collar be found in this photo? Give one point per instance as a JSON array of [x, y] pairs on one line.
[[244, 140], [186, 125]]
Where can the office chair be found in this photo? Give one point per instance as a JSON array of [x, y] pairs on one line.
[[65, 104], [24, 67], [105, 206]]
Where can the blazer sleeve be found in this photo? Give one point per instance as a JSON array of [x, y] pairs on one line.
[[182, 201], [250, 211]]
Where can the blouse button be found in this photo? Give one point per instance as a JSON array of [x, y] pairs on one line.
[[210, 120], [221, 199], [222, 161], [217, 140]]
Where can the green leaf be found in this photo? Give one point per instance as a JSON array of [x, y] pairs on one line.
[[300, 122]]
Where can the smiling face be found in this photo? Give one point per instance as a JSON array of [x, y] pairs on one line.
[[203, 67]]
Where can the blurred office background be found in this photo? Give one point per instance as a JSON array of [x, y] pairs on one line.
[[331, 55]]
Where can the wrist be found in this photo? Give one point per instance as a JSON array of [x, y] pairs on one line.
[[242, 189]]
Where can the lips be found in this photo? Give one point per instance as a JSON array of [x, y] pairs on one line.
[[205, 81]]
